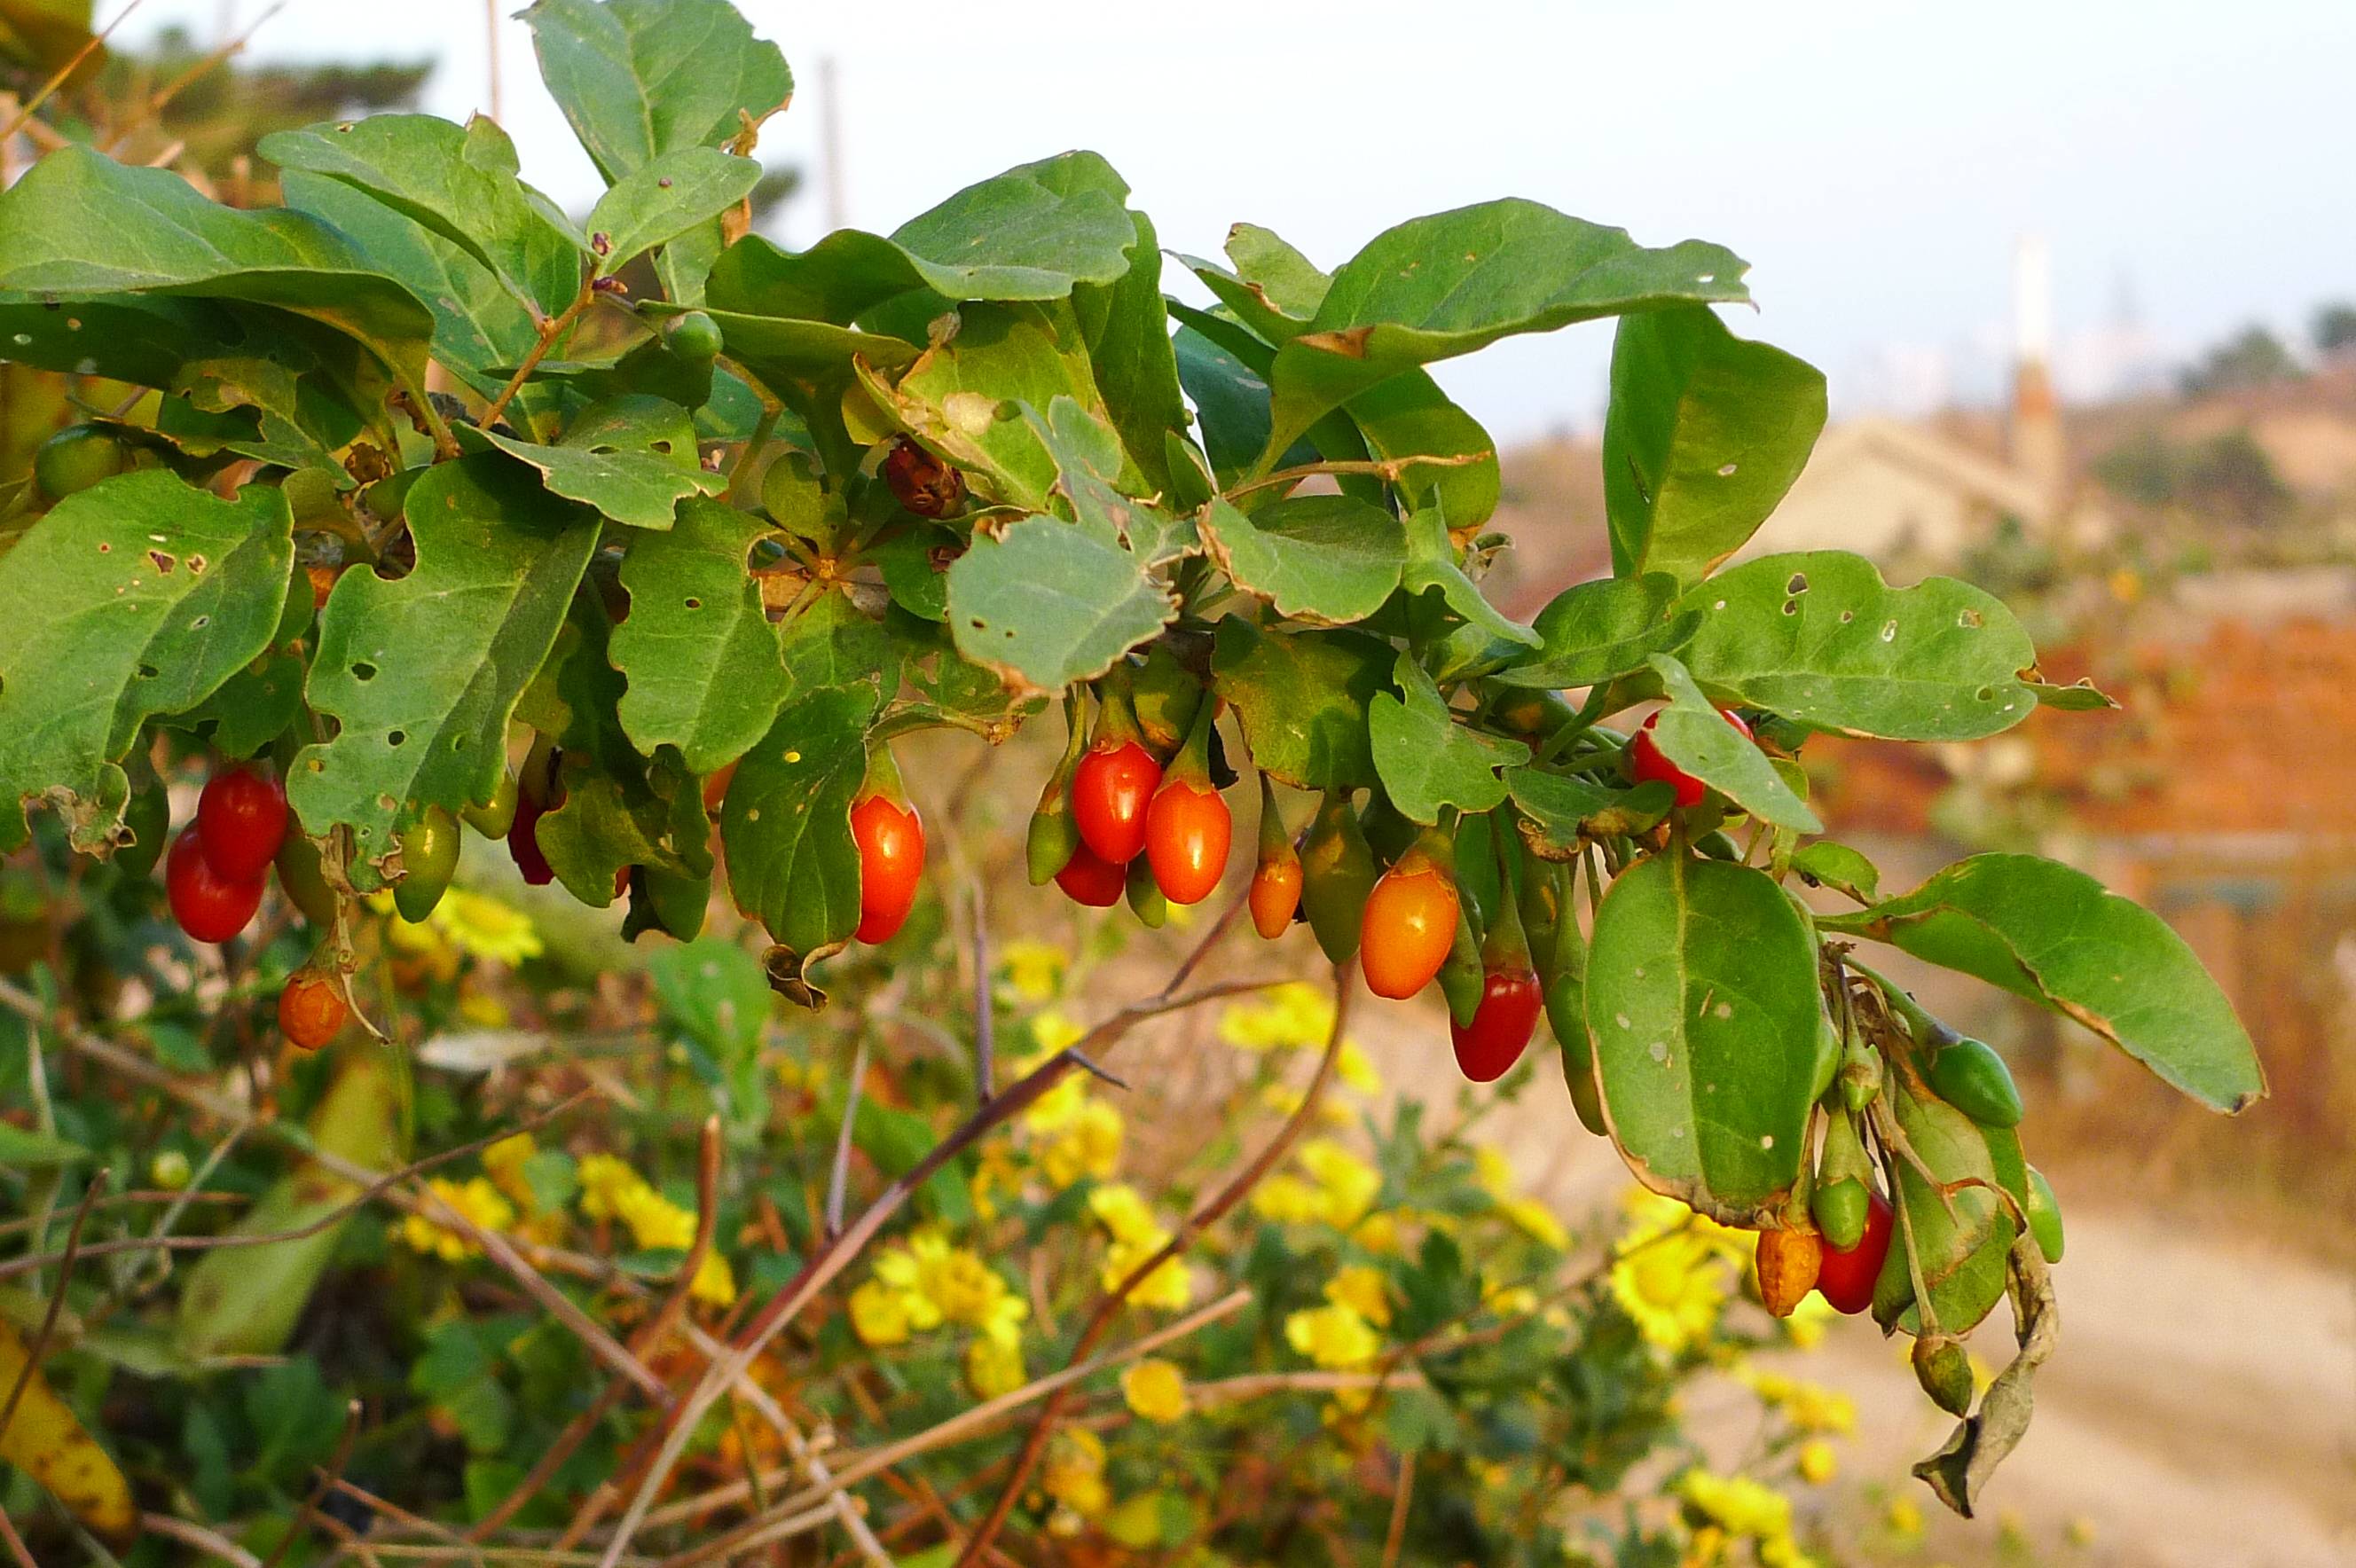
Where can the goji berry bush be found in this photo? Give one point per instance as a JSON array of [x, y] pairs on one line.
[[650, 551]]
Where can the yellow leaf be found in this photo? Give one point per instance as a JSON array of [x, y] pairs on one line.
[[44, 1440]]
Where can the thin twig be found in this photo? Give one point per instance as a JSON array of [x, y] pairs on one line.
[[836, 1254], [1109, 1309], [41, 1341], [550, 330], [1386, 468], [212, 1544], [64, 73], [328, 1478], [211, 62], [18, 1552], [985, 1016], [1395, 1538], [838, 1176]]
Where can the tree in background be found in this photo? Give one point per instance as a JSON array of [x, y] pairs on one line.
[[2254, 358]]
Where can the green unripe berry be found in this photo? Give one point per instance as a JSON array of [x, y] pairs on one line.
[[694, 337], [148, 816], [1828, 1058], [1944, 1368], [1565, 1005], [78, 457], [1970, 1075], [679, 903], [1146, 900], [2044, 1216], [304, 879], [1839, 1210], [494, 817], [429, 858]]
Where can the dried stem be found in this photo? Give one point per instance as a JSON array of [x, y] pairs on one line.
[[551, 329], [41, 1341]]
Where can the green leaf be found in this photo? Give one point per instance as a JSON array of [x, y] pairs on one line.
[[1049, 603], [638, 78], [2079, 697], [785, 823], [1303, 699], [1426, 758], [1230, 400], [254, 707], [1327, 560], [1818, 637], [421, 674], [1561, 815], [1129, 346], [665, 197], [479, 326], [1088, 456], [2060, 939], [712, 991], [706, 669], [964, 398], [1592, 631], [1032, 233], [831, 642], [80, 223], [1410, 416], [1435, 287], [457, 183], [1696, 737], [1826, 864], [21, 1149], [1705, 435], [1702, 1005], [1961, 1238], [634, 458], [1432, 565], [792, 358], [136, 597]]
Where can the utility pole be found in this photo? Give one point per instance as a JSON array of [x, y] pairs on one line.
[[491, 35], [830, 143]]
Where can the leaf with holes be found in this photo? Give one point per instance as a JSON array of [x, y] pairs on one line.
[[634, 458], [2058, 937], [1049, 603], [1128, 331], [1428, 761], [254, 707], [786, 824], [1696, 737], [1593, 631], [1702, 1003], [1819, 636], [140, 595], [421, 674], [1561, 815], [457, 183], [1705, 435], [1303, 699], [704, 667], [1087, 455], [1329, 559], [1435, 287]]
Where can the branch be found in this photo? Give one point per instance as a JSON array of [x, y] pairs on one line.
[[550, 330], [1386, 468]]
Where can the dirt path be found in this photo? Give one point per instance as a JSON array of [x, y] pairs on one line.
[[2201, 1411]]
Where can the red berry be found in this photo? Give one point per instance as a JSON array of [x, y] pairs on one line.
[[1087, 878], [891, 841], [1187, 830], [208, 906], [1511, 1000], [1646, 763], [1846, 1275], [311, 1010], [240, 821], [523, 842], [1275, 896], [1112, 789], [1408, 926]]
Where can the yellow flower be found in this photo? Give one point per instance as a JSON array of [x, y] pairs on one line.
[[878, 1314], [1363, 1290], [1167, 1287], [716, 1282], [477, 1202], [1053, 1031], [1285, 1100], [1512, 1301], [1292, 1017], [995, 1172], [1806, 1325], [1346, 1183], [1742, 1506], [483, 1009], [994, 1366], [1074, 1472], [1357, 1069], [1819, 1462], [1652, 1214], [1155, 1389], [605, 1178], [1493, 1171], [1379, 1234], [1035, 970], [1811, 1407], [950, 1285], [1672, 1287], [1120, 1209], [503, 1163], [1090, 1145], [486, 928], [1334, 1335], [654, 1221], [1287, 1200], [1904, 1516], [1537, 1221]]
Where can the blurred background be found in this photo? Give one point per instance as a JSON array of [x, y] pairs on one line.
[[2080, 279]]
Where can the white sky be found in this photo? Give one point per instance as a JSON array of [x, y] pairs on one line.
[[1874, 159]]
